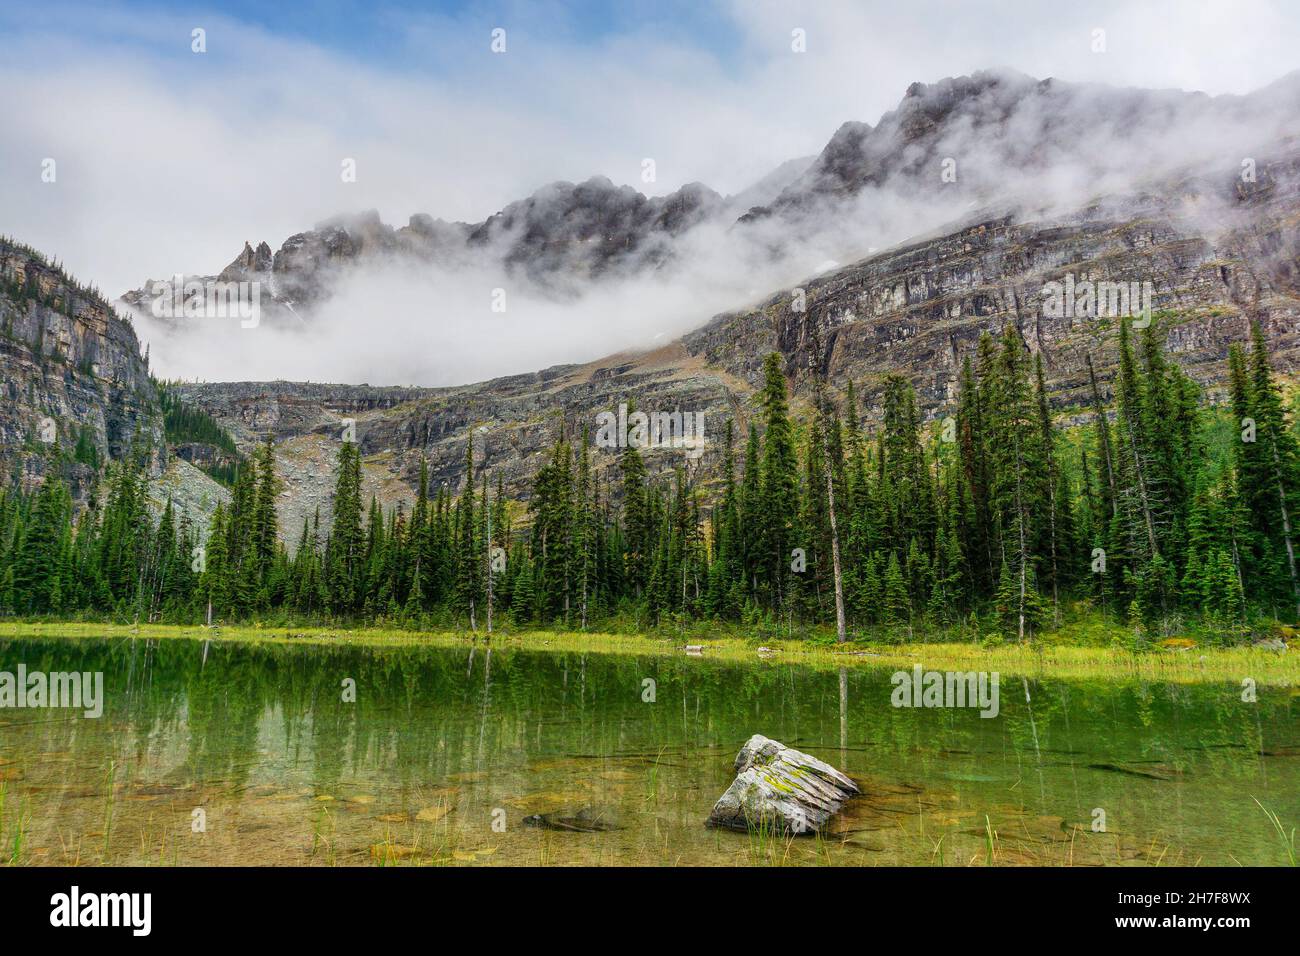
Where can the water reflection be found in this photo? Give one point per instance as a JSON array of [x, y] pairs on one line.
[[442, 747]]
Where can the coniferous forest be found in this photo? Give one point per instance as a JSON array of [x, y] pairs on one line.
[[1156, 509]]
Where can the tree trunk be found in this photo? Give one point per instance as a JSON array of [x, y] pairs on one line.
[[1142, 493], [487, 508], [1103, 430], [1286, 523], [1020, 534], [840, 635], [1051, 498]]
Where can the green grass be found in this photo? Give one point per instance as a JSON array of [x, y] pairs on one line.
[[13, 830], [1052, 656], [110, 778], [1287, 838]]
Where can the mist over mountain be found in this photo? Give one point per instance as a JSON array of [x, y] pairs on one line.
[[577, 271], [1008, 135]]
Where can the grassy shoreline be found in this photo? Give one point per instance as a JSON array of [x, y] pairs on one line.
[[1189, 665]]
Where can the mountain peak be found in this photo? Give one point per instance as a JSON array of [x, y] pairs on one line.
[[249, 262]]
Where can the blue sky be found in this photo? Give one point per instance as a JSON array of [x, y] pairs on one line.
[[404, 34], [367, 29]]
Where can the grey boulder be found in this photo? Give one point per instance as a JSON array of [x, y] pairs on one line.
[[780, 790]]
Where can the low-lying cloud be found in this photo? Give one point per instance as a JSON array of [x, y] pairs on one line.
[[169, 160]]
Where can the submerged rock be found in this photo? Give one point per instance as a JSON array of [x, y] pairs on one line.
[[586, 820], [782, 790]]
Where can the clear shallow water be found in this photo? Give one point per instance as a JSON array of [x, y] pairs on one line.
[[445, 747]]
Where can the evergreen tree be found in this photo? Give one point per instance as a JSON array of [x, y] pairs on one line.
[[779, 484]]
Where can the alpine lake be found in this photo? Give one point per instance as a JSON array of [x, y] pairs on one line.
[[212, 752]]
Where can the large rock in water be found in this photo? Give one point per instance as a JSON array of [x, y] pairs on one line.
[[780, 789]]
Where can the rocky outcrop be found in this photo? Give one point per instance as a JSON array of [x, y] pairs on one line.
[[72, 374], [249, 264], [77, 394], [569, 232], [208, 457], [780, 790], [192, 494]]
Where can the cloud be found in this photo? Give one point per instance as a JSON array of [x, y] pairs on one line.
[[169, 160]]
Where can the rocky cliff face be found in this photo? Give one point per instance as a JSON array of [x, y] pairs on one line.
[[513, 421], [72, 370], [578, 232], [1217, 251]]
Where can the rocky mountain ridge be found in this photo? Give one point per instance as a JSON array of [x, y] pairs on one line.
[[564, 232], [1217, 251], [996, 135], [1216, 248]]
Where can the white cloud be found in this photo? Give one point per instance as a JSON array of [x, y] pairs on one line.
[[169, 160]]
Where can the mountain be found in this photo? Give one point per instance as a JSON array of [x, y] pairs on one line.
[[76, 388], [769, 187], [78, 396], [1217, 251], [561, 234], [1006, 134], [1214, 242], [583, 231], [996, 137]]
